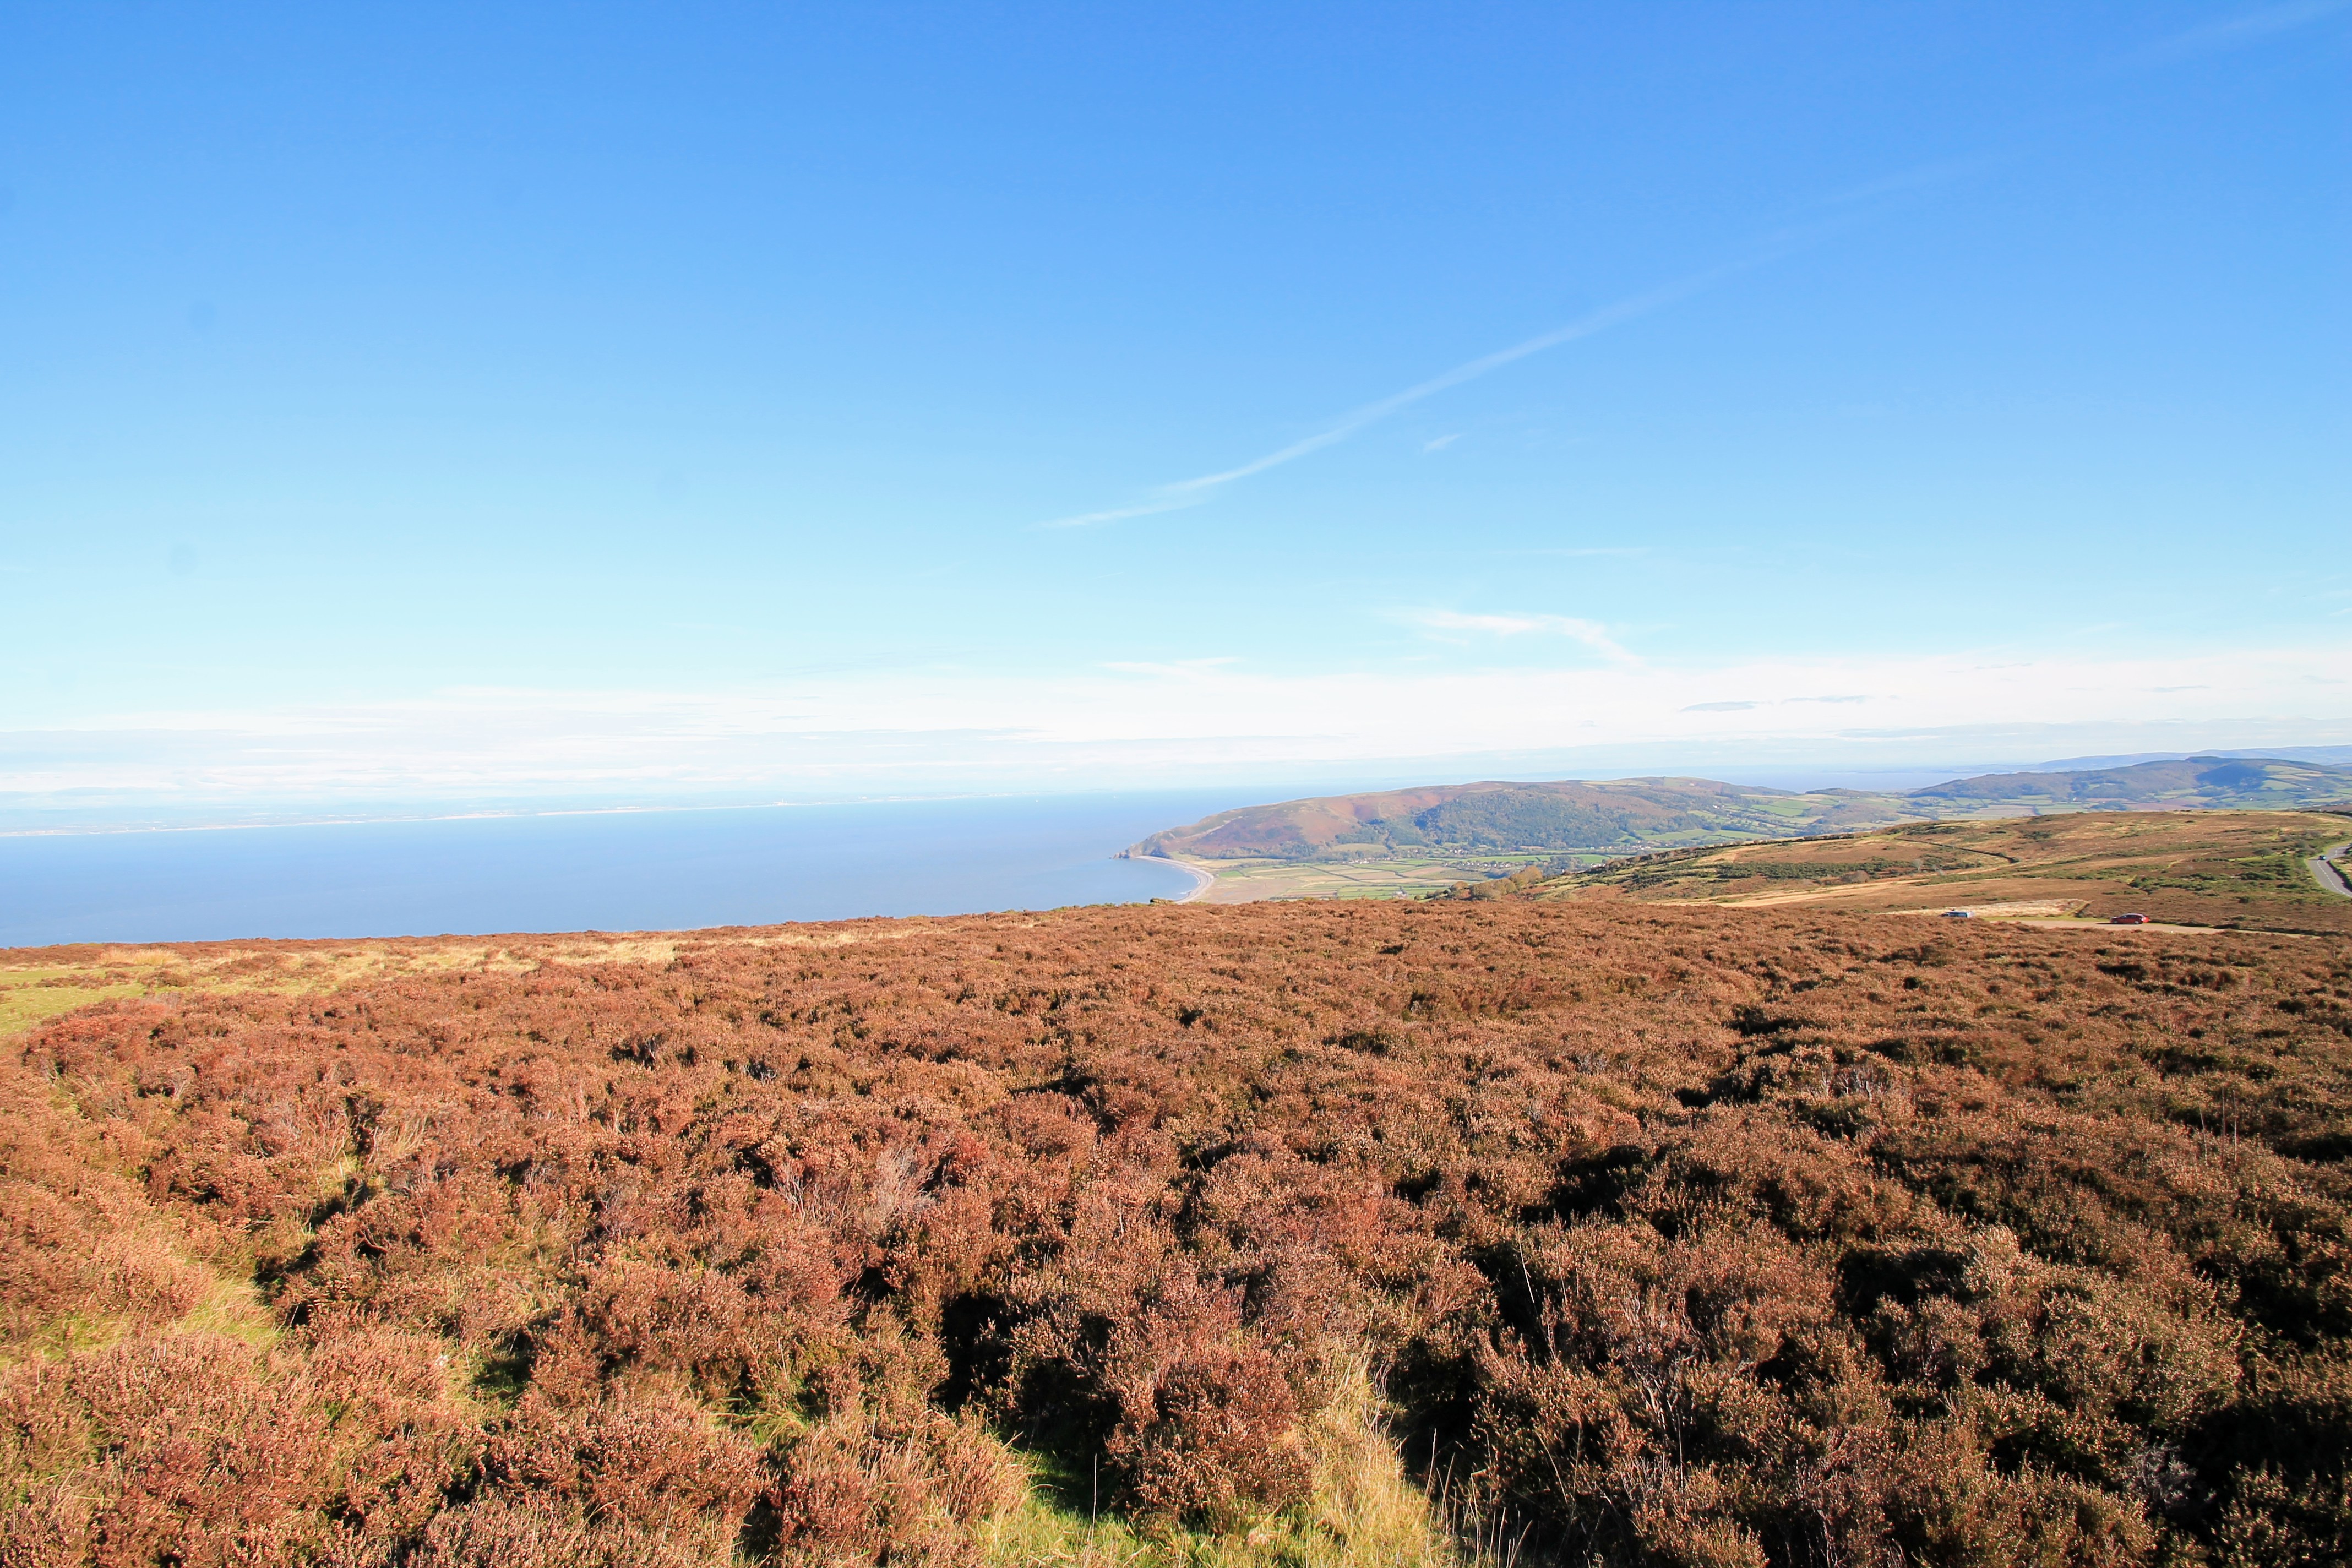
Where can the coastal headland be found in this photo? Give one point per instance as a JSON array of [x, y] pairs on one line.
[[1425, 842]]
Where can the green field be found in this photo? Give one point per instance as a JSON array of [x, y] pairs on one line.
[[1392, 877]]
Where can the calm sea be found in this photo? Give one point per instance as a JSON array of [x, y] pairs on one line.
[[626, 871]]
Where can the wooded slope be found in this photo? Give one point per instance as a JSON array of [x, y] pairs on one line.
[[1496, 815]]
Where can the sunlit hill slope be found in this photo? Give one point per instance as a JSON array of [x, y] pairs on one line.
[[2246, 868], [1623, 814]]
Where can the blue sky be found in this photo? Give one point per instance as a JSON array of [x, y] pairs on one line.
[[649, 402]]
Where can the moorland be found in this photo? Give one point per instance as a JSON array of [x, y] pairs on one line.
[[1565, 1231], [1397, 842], [2231, 868]]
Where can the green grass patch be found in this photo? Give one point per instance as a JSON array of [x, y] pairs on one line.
[[31, 996]]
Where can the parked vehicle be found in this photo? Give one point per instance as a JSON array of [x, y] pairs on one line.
[[1959, 914], [2128, 919]]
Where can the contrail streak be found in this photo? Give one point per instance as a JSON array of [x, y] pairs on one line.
[[2235, 32], [1193, 492]]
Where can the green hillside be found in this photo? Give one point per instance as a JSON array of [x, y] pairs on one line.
[[1499, 816], [2235, 783], [1614, 816]]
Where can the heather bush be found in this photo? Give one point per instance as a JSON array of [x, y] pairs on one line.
[[1684, 1236]]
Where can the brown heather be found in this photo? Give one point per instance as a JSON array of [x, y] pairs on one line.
[[1668, 1236]]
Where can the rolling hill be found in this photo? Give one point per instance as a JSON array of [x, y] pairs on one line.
[[1494, 815], [1616, 816], [2237, 783]]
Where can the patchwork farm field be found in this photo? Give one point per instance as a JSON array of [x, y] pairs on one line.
[[1302, 1234], [1389, 876]]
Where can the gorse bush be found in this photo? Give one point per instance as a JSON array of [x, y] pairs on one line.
[[1670, 1236]]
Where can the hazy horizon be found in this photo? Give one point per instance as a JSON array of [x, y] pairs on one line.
[[143, 813]]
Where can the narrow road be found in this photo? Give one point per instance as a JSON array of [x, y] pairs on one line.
[[2331, 875]]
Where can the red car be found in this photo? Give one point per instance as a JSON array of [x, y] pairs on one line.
[[2128, 919]]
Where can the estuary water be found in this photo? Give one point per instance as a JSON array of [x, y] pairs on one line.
[[652, 870]]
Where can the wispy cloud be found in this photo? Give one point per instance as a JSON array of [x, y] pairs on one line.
[[1193, 492], [1441, 443], [1121, 513], [1783, 702], [1178, 668], [1923, 176], [936, 729], [1591, 634], [2237, 32]]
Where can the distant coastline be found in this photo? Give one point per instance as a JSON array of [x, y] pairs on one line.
[[1203, 882]]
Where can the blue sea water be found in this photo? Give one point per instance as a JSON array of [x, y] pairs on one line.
[[664, 870]]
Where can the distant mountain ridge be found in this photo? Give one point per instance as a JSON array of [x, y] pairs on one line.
[[2328, 757], [2228, 782], [1624, 814]]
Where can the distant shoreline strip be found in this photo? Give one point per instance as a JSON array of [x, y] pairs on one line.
[[1204, 883]]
